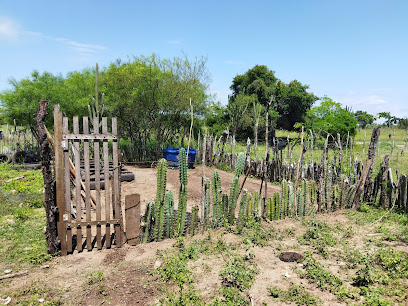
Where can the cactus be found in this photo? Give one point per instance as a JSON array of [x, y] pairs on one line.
[[234, 190], [147, 222], [159, 203], [299, 202], [312, 192], [335, 198], [207, 204], [277, 205], [169, 215], [304, 191], [255, 209], [291, 201], [285, 197], [217, 201], [270, 210], [242, 217], [194, 221], [350, 196], [233, 199], [182, 206], [225, 202]]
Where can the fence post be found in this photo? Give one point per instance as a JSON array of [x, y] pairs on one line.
[[132, 216]]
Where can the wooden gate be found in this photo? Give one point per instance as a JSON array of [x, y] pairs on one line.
[[88, 217]]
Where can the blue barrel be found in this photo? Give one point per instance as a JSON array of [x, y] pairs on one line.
[[172, 157]]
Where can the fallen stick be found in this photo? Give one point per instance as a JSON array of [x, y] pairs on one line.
[[15, 179], [17, 274]]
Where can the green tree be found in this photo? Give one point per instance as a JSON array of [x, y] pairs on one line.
[[330, 117], [363, 118], [216, 118]]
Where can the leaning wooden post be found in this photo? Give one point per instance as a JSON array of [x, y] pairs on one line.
[[368, 165], [59, 178], [50, 206], [384, 199]]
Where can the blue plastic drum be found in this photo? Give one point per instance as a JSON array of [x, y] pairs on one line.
[[172, 157]]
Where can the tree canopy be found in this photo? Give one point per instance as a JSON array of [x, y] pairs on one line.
[[330, 118]]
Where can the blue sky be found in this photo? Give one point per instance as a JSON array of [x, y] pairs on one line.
[[355, 52]]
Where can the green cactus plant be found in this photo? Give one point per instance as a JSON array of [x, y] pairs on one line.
[[242, 217], [182, 206], [217, 199], [277, 206], [335, 198], [207, 204], [285, 197], [270, 212], [169, 215], [194, 221], [225, 203], [147, 222], [234, 190], [312, 192], [291, 200], [299, 202], [160, 197], [255, 209], [304, 191]]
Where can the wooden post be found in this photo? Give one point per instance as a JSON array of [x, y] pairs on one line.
[[368, 165], [384, 199], [132, 216], [97, 184], [59, 177], [49, 197]]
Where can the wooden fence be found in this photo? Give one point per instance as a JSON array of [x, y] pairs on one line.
[[90, 218]]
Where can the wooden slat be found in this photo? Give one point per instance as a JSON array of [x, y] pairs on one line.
[[95, 222], [132, 216], [59, 175], [106, 174], [88, 136], [97, 183], [116, 183], [78, 183], [87, 185], [67, 185]]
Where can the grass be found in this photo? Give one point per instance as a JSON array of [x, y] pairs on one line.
[[22, 219]]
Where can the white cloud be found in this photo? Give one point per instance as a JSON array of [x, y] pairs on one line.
[[9, 29], [81, 47], [12, 31]]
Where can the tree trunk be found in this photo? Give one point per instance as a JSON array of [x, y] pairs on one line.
[[50, 204]]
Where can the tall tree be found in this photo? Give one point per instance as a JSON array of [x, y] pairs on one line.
[[363, 118]]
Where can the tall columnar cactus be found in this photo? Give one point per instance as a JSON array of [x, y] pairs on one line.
[[312, 192], [147, 222], [207, 204], [194, 221], [242, 217], [291, 200], [169, 215], [335, 198], [217, 201], [285, 197], [304, 190], [234, 190], [182, 206], [225, 203], [299, 202], [270, 213], [250, 208], [255, 198], [350, 196], [277, 205], [160, 196]]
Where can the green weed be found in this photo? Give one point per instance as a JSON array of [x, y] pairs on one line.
[[295, 294], [318, 234]]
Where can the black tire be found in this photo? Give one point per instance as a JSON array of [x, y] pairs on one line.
[[18, 157], [127, 177], [4, 158]]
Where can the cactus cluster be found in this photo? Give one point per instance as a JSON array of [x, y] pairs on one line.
[[234, 190], [159, 204], [243, 211], [169, 215], [148, 216], [207, 204], [218, 210], [194, 221], [285, 197], [182, 205]]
